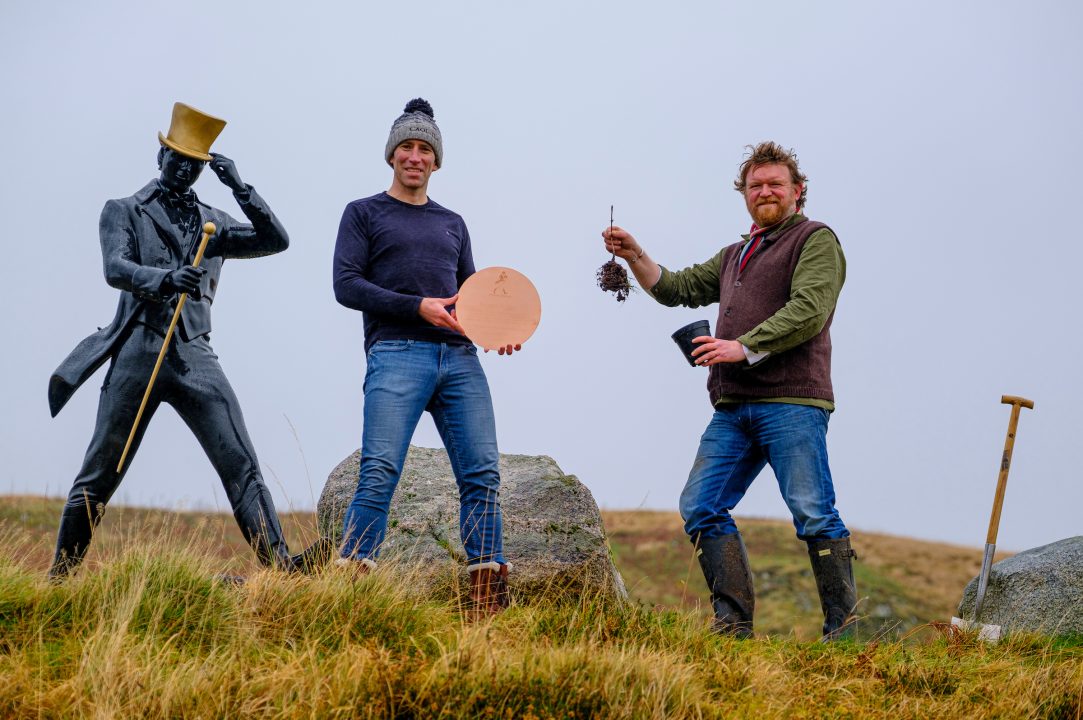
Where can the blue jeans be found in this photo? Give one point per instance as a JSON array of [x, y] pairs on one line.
[[405, 378], [738, 442]]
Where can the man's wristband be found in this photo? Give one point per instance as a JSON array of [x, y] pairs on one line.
[[634, 260]]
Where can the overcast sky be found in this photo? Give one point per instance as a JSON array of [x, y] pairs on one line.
[[942, 142]]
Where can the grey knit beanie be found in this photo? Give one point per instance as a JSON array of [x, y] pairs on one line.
[[415, 123]]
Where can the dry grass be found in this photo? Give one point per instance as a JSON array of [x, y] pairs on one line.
[[145, 632], [33, 521]]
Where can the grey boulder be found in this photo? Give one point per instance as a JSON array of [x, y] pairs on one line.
[[553, 533], [1039, 590]]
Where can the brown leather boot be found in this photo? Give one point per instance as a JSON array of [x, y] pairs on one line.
[[488, 589]]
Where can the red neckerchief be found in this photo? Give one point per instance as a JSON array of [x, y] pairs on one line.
[[755, 234]]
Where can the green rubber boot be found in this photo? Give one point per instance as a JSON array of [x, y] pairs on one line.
[[724, 562], [832, 564]]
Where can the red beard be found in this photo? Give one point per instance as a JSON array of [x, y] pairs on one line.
[[768, 214]]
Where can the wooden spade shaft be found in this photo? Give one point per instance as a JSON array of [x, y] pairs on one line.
[[1005, 462], [998, 500], [208, 230]]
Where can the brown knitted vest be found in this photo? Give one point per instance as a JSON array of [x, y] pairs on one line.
[[749, 298]]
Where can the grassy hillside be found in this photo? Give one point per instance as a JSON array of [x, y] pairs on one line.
[[146, 632], [902, 583]]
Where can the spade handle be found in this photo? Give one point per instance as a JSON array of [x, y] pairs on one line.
[[1005, 463]]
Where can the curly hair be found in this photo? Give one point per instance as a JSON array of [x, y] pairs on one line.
[[771, 153]]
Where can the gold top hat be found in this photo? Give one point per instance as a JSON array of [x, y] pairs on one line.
[[191, 132]]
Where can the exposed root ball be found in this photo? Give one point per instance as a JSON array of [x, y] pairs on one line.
[[612, 277]]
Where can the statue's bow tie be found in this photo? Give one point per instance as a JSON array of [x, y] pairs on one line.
[[176, 200]]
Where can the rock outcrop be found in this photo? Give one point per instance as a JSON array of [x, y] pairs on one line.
[[1038, 590], [553, 532]]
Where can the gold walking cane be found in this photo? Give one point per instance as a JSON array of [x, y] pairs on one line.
[[208, 230]]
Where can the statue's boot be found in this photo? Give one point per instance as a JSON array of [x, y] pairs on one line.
[[256, 516], [315, 556], [72, 540], [724, 562], [832, 564]]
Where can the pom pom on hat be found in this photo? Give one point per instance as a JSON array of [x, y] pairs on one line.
[[420, 105]]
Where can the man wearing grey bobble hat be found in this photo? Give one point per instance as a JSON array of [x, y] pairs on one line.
[[400, 258]]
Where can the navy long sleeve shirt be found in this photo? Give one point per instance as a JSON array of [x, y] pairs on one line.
[[391, 254]]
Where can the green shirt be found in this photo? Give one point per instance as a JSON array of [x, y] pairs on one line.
[[814, 290]]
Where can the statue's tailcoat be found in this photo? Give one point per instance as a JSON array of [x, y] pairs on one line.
[[139, 248]]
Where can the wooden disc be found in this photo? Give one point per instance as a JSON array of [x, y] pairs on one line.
[[497, 307]]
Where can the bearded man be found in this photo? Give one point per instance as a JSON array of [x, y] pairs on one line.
[[769, 384]]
